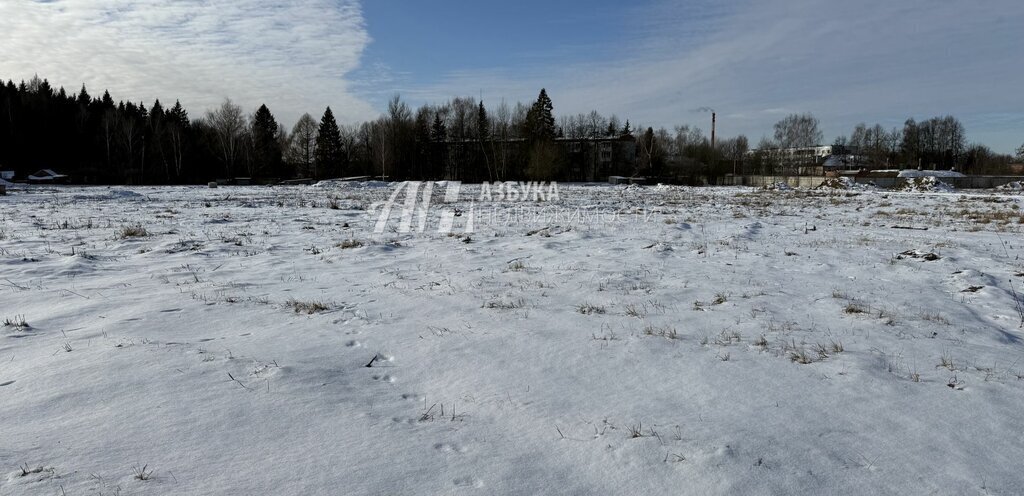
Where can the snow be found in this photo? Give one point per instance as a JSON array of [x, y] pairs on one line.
[[46, 175], [1013, 186], [844, 183], [779, 186], [615, 351], [929, 173], [925, 184]]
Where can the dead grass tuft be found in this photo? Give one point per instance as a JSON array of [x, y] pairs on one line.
[[307, 307], [132, 231]]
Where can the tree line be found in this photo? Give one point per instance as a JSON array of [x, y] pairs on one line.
[[98, 140], [935, 143]]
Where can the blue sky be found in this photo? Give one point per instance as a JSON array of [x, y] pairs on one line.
[[652, 61]]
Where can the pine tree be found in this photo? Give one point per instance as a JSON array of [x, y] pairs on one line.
[[328, 145], [266, 147]]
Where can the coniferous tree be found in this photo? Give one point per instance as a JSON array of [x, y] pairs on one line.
[[613, 127], [156, 138], [328, 145], [421, 133], [439, 152], [177, 137], [483, 135], [540, 120], [266, 146], [439, 131], [544, 160], [83, 97], [483, 125]]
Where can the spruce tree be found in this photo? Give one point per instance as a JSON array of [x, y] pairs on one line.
[[540, 120], [108, 102], [328, 145], [439, 131], [483, 125], [178, 114], [545, 159], [83, 97], [483, 133], [266, 147]]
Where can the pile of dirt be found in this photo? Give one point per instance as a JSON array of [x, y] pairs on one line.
[[1014, 186], [928, 184], [843, 183]]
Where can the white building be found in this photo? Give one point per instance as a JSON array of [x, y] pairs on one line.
[[804, 155]]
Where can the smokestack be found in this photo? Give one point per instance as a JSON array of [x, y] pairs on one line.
[[714, 119]]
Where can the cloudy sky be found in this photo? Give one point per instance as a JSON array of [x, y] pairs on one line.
[[652, 61]]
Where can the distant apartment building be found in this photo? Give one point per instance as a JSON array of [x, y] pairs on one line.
[[805, 161], [595, 159], [582, 159]]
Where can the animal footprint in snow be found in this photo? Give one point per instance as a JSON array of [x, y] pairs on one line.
[[384, 378], [379, 359], [449, 448], [469, 482], [354, 344]]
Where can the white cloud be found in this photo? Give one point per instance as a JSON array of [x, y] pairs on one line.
[[292, 55], [846, 62]]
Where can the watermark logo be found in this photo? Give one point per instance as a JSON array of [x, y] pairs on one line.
[[518, 191], [416, 208], [414, 205]]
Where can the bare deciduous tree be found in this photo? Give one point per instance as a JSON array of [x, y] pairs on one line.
[[228, 123], [797, 131], [302, 151]]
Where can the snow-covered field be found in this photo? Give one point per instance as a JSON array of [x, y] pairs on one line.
[[616, 341]]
